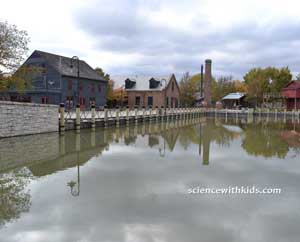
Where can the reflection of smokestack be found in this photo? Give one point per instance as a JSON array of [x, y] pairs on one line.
[[207, 82], [206, 145]]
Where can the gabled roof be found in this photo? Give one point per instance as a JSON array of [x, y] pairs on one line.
[[142, 82], [234, 96], [292, 85], [63, 65]]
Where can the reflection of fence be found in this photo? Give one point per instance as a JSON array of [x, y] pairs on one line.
[[78, 118]]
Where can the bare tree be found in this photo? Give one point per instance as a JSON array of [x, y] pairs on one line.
[[13, 46]]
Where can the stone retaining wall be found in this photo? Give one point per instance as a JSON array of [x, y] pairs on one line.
[[27, 118]]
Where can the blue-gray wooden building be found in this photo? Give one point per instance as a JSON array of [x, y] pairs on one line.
[[57, 83]]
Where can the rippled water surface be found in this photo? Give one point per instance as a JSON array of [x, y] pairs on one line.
[[131, 184]]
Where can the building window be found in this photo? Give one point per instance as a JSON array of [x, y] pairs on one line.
[[150, 101], [92, 101], [69, 102], [44, 100], [93, 87], [70, 84], [99, 87], [137, 101], [172, 86], [167, 101]]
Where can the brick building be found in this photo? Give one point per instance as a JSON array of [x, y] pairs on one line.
[[151, 91]]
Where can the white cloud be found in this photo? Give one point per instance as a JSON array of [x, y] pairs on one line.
[[136, 36]]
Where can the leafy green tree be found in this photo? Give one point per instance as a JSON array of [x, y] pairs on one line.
[[109, 86], [21, 79], [188, 88], [13, 47], [298, 77], [223, 86], [270, 79], [101, 73]]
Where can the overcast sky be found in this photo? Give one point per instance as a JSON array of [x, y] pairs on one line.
[[158, 37]]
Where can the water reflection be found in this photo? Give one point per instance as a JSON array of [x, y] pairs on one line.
[[61, 152], [14, 197], [130, 183]]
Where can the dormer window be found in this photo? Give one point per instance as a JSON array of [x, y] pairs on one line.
[[153, 83], [129, 84]]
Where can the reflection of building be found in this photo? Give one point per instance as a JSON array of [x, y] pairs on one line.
[[170, 136], [291, 137], [150, 91], [291, 93]]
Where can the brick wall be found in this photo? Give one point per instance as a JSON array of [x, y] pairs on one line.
[[27, 118]]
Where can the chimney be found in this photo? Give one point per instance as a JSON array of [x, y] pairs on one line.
[[207, 83]]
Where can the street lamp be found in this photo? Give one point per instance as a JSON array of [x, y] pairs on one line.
[[73, 59]]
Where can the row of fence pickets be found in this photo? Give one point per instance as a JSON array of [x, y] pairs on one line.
[[110, 114]]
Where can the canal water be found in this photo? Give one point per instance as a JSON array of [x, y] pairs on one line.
[[153, 182]]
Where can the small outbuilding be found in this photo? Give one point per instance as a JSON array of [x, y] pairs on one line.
[[291, 94], [234, 100]]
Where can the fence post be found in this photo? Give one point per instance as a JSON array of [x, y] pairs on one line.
[[62, 118], [77, 121]]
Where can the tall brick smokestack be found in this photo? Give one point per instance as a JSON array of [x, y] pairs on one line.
[[207, 82]]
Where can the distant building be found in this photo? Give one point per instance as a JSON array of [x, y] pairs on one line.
[[291, 93], [234, 100], [57, 83], [151, 91]]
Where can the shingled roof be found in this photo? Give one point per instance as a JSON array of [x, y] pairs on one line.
[[62, 65]]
